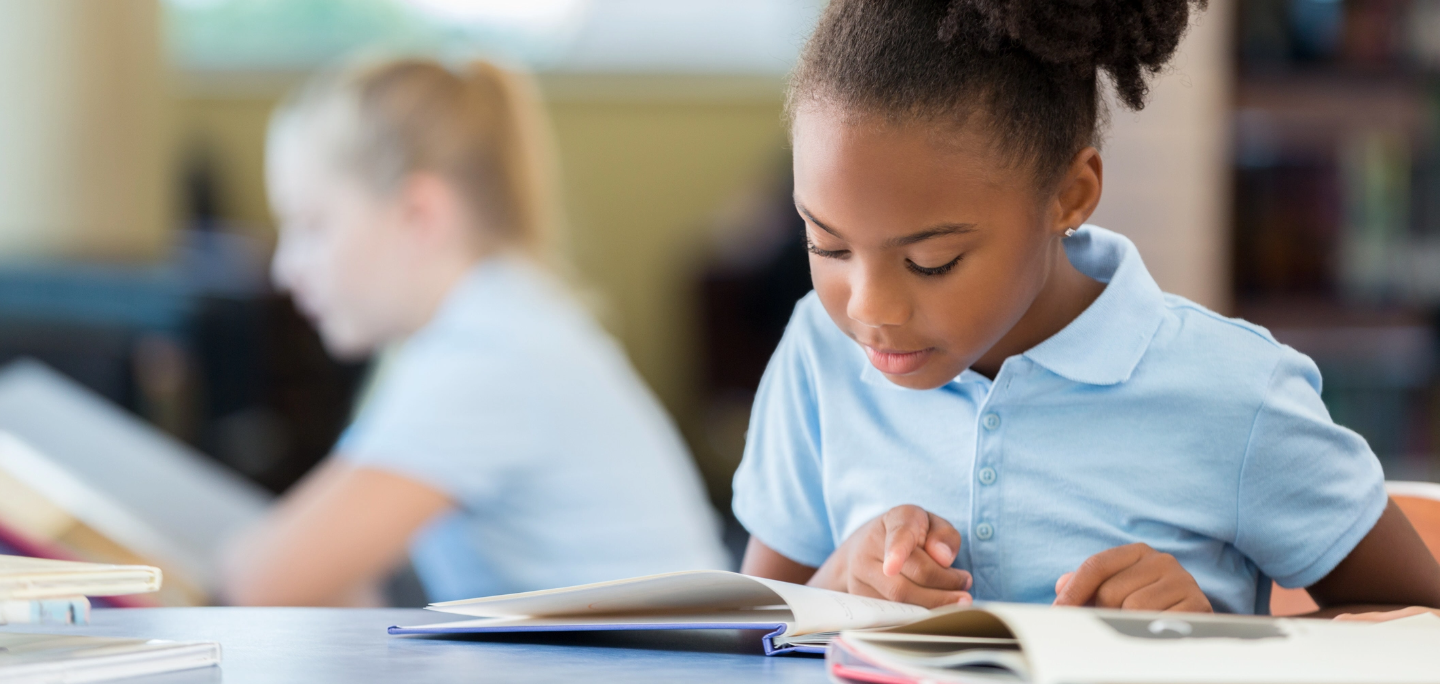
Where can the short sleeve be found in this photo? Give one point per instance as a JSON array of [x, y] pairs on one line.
[[779, 493], [459, 422], [1310, 490]]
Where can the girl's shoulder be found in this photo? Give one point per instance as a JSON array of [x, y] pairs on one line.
[[1197, 346]]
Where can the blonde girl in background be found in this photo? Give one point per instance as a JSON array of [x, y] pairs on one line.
[[509, 445]]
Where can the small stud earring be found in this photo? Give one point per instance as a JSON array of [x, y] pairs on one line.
[[1069, 232]]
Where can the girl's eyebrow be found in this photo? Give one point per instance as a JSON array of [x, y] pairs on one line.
[[921, 236], [934, 231], [811, 217]]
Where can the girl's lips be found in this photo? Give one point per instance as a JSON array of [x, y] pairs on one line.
[[897, 363]]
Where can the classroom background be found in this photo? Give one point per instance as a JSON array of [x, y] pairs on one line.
[[1299, 188]]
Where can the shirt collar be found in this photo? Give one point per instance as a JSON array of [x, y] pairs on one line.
[[1104, 344]]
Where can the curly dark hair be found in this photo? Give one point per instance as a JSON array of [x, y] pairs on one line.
[[1029, 68]]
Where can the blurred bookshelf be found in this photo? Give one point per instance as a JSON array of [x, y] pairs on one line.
[[1337, 206]]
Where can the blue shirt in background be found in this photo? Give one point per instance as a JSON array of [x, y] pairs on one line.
[[1147, 419], [563, 466]]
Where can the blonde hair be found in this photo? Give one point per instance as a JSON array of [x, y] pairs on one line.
[[482, 128]]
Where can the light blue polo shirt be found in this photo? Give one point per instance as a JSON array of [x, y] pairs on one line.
[[1147, 419], [563, 466]]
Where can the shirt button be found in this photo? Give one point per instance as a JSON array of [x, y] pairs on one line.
[[987, 476], [991, 421], [984, 531]]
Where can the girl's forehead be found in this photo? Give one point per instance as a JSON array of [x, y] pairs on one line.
[[936, 152]]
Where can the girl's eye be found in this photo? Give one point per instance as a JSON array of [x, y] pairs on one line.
[[917, 269], [837, 254]]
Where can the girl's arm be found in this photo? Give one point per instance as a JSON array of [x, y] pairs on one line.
[[1390, 568], [763, 561], [330, 541]]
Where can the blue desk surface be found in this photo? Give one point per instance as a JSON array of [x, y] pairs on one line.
[[350, 645]]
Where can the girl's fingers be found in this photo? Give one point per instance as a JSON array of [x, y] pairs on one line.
[[1386, 615], [1158, 595], [905, 530], [942, 542], [1095, 571], [921, 569], [1060, 583]]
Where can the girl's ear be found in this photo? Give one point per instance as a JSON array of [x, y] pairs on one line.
[[429, 208], [1078, 192]]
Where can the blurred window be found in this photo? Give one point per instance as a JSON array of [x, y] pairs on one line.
[[689, 36]]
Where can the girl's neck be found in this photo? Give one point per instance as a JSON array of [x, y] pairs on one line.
[[1067, 294]]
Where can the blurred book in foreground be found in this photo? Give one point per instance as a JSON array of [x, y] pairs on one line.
[[74, 610], [37, 590], [82, 480], [49, 658]]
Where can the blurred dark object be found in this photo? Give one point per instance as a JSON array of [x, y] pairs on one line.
[[201, 348], [1337, 206], [747, 292]]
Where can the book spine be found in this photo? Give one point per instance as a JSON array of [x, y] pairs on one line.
[[62, 611]]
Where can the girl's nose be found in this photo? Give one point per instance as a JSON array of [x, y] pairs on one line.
[[876, 302]]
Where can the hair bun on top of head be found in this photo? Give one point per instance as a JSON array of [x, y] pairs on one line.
[[1128, 39]]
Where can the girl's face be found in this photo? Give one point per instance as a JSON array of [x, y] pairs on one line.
[[927, 252], [341, 252]]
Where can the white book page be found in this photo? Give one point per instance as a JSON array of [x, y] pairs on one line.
[[763, 617], [707, 591], [1076, 646], [822, 610], [694, 591]]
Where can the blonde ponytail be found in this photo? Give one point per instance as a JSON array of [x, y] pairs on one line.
[[527, 157], [482, 128]]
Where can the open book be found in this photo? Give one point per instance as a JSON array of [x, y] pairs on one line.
[[795, 618], [81, 479], [1012, 643]]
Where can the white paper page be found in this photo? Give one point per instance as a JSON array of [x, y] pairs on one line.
[[815, 610], [1075, 646], [762, 617], [821, 610], [699, 590]]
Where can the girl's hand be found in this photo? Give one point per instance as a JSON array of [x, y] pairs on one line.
[[1132, 577], [903, 555], [1386, 616]]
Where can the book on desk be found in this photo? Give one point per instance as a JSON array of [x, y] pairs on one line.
[[871, 640]]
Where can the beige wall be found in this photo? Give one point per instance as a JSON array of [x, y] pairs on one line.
[[82, 130]]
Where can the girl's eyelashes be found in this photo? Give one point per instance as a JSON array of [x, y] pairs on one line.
[[913, 267], [917, 269], [828, 254]]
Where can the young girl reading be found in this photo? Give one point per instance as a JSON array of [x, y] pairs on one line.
[[984, 397], [508, 444]]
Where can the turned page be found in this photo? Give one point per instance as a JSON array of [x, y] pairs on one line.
[[683, 595]]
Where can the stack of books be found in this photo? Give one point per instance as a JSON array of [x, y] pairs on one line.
[[36, 590], [40, 590]]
